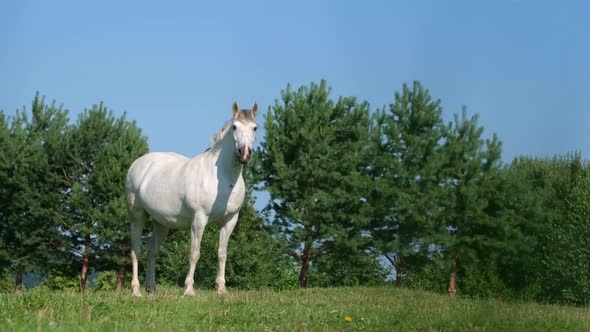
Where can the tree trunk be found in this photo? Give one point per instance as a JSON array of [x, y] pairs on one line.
[[398, 275], [120, 276], [84, 272], [305, 259], [397, 263], [304, 266], [453, 276], [19, 279]]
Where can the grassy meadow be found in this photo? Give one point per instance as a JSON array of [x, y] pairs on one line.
[[337, 309]]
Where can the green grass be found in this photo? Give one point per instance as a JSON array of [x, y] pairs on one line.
[[376, 309]]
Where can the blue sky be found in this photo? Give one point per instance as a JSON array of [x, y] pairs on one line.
[[176, 67]]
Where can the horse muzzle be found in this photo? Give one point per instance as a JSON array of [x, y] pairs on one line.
[[244, 154]]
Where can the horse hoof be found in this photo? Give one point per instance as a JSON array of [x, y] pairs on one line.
[[189, 292], [137, 294]]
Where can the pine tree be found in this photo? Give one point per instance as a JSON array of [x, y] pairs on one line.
[[496, 263], [5, 270], [109, 182], [470, 168], [310, 164], [99, 150], [405, 158], [30, 188]]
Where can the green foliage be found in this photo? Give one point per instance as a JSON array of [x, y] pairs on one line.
[[470, 170], [348, 269], [98, 150], [517, 215], [481, 277], [569, 262], [560, 263], [253, 253], [310, 162], [349, 191], [172, 264], [6, 283], [287, 276], [62, 282], [432, 276], [62, 186], [30, 187], [6, 280], [404, 158], [106, 280]]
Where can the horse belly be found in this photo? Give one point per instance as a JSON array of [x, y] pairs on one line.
[[164, 204], [173, 218], [160, 209]]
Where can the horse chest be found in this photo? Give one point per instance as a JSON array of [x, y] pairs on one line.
[[216, 197], [228, 200]]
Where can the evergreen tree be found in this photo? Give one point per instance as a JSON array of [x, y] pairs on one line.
[[404, 161], [557, 267], [310, 164], [497, 249], [513, 211], [30, 188], [470, 167], [99, 150], [109, 183], [5, 270]]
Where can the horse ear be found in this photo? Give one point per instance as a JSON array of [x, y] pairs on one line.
[[254, 109], [235, 109]]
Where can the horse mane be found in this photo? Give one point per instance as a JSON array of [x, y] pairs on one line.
[[219, 135], [244, 115]]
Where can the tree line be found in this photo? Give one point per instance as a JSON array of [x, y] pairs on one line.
[[357, 197]]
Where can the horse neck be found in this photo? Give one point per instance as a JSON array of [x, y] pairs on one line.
[[225, 157]]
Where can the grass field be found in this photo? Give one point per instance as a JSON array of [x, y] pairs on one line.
[[342, 309]]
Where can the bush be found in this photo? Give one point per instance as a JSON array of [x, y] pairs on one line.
[[347, 269], [106, 280], [61, 282], [7, 283], [432, 276]]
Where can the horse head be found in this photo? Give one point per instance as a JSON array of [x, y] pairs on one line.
[[243, 129]]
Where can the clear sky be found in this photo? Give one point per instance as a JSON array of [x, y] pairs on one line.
[[176, 67]]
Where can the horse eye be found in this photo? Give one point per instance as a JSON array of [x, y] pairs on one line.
[[255, 128], [233, 127]]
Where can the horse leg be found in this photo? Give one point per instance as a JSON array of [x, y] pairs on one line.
[[197, 229], [224, 234], [158, 236], [137, 218]]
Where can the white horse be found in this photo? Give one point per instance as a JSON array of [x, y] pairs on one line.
[[182, 193]]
